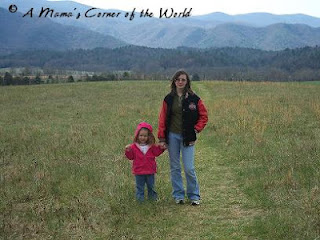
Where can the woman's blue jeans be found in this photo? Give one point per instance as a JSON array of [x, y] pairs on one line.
[[141, 181], [175, 148]]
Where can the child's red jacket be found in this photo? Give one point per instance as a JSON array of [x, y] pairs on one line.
[[143, 164]]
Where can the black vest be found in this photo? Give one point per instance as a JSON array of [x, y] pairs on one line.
[[190, 115]]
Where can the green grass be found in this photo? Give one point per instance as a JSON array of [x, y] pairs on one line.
[[311, 82], [64, 175]]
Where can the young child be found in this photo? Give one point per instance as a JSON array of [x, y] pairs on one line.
[[143, 153]]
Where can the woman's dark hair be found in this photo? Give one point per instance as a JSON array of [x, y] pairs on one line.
[[187, 88]]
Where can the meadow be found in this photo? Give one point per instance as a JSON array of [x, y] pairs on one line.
[[64, 174]]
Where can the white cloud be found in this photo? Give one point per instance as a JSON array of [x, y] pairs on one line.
[[309, 7]]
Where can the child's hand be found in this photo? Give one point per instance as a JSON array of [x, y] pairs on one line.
[[163, 145], [128, 148]]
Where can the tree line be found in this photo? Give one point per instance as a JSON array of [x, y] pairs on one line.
[[301, 64]]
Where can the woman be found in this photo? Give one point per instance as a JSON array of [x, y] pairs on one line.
[[182, 116]]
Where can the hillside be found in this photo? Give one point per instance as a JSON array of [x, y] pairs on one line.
[[259, 19], [222, 63], [254, 30], [19, 33], [170, 34], [273, 37]]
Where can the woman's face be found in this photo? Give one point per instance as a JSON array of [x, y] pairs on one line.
[[181, 81]]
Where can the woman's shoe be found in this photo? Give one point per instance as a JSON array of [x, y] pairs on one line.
[[179, 201]]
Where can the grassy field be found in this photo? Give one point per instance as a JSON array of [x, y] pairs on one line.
[[64, 175]]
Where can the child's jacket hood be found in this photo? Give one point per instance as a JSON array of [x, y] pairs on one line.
[[142, 125]]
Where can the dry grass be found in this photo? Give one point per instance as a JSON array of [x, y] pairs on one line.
[[64, 175]]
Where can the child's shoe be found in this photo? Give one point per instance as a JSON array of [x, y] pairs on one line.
[[195, 202]]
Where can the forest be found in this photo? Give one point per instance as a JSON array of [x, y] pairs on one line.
[[134, 62]]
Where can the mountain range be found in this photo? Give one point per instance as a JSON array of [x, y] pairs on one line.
[[32, 33], [255, 30]]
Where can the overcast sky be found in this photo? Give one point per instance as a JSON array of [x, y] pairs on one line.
[[199, 7]]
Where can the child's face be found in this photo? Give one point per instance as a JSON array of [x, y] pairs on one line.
[[143, 136]]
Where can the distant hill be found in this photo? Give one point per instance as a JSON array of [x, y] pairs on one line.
[[259, 19], [168, 34], [19, 33], [273, 37], [254, 30], [215, 63]]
